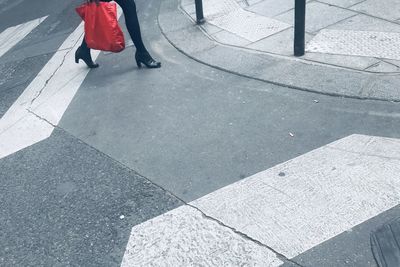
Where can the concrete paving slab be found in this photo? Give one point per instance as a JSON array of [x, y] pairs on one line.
[[383, 67], [308, 200], [211, 29], [64, 203], [226, 37], [280, 43], [353, 62], [230, 16], [342, 3], [249, 25], [184, 237], [356, 43], [271, 8], [318, 16], [388, 9], [363, 22]]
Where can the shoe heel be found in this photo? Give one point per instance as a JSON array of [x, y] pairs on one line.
[[76, 58], [139, 64]]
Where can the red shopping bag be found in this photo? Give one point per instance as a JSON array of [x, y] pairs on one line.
[[102, 31]]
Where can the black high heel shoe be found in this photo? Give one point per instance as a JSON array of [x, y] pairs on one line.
[[147, 60], [86, 57]]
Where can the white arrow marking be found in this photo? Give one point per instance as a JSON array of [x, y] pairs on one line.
[[39, 109], [13, 35]]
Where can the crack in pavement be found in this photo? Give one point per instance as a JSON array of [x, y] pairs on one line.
[[40, 118], [54, 73], [51, 76], [247, 237]]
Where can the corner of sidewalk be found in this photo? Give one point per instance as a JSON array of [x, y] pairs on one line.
[[190, 39]]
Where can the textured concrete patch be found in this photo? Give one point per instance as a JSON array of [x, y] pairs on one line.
[[230, 16], [184, 237], [357, 43], [249, 25], [299, 204]]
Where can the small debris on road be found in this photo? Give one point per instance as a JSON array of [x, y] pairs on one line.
[[122, 217], [292, 135], [316, 101]]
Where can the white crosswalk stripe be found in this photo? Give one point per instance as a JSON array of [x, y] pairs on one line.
[[13, 35], [289, 208], [40, 107]]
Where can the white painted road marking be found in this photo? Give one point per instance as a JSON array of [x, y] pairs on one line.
[[40, 107], [357, 43], [290, 208], [13, 35], [184, 237]]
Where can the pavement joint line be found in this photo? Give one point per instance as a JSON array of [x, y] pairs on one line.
[[115, 160], [245, 236], [360, 12], [348, 68], [373, 65], [40, 118], [333, 24], [356, 3], [388, 62]]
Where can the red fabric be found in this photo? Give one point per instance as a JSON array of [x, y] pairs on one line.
[[102, 31]]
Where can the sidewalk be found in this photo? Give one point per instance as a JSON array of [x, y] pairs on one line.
[[353, 46]]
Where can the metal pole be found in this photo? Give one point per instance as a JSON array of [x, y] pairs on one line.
[[199, 12], [299, 27]]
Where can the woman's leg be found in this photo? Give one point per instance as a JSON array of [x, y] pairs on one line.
[[132, 23], [142, 56], [83, 52]]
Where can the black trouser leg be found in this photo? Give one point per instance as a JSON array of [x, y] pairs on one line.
[[84, 45], [132, 23]]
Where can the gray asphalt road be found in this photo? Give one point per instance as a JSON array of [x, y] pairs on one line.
[[133, 142]]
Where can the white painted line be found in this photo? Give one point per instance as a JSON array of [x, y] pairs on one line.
[[299, 204], [184, 237], [47, 96], [289, 208], [357, 43], [13, 35]]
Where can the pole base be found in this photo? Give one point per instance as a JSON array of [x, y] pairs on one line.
[[200, 21]]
